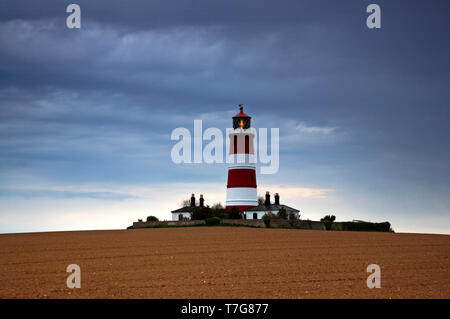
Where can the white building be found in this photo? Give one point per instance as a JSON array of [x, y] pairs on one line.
[[181, 213], [259, 211], [184, 213]]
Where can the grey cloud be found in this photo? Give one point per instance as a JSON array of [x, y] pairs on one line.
[[99, 103]]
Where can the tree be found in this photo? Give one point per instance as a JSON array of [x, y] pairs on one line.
[[152, 219], [261, 200], [328, 220], [282, 213], [185, 203], [217, 206]]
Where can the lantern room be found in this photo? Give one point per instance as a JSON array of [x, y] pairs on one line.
[[241, 120]]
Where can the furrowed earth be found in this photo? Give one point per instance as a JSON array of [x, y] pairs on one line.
[[224, 262]]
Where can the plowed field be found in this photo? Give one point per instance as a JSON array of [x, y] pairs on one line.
[[224, 262]]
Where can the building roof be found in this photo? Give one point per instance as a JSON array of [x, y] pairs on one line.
[[186, 209], [271, 207], [241, 113]]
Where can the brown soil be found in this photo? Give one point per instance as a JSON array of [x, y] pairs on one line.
[[224, 262]]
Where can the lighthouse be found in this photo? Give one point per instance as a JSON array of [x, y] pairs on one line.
[[241, 186]]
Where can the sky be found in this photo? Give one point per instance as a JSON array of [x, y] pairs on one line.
[[86, 114]]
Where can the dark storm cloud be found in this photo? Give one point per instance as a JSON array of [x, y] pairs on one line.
[[368, 107], [149, 14]]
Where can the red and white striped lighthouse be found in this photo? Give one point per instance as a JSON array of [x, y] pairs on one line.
[[241, 187]]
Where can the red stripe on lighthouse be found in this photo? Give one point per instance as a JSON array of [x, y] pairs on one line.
[[239, 208], [241, 178]]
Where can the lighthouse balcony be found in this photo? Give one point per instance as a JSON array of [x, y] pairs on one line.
[[239, 159]]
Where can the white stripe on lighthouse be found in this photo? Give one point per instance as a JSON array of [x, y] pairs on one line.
[[241, 159], [241, 166], [241, 196]]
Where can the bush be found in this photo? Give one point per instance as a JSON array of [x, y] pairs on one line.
[[366, 226], [270, 215], [235, 214], [212, 221], [220, 212], [266, 218], [282, 213], [152, 219], [201, 213]]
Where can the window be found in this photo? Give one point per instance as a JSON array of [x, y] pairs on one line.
[[247, 144], [235, 144]]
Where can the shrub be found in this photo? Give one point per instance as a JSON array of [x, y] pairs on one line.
[[201, 213], [152, 219], [219, 211], [272, 215], [212, 221], [266, 218], [235, 214], [366, 226], [282, 213]]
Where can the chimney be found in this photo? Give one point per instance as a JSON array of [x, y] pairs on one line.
[[277, 199], [267, 201], [192, 200], [202, 200]]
